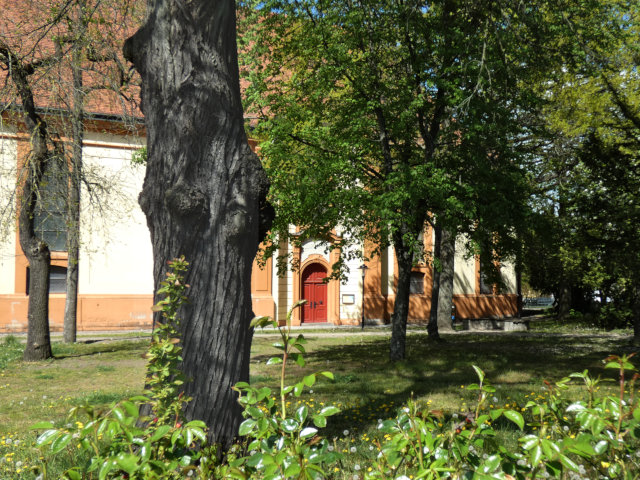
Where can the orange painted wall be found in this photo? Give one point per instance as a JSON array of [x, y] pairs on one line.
[[95, 312]]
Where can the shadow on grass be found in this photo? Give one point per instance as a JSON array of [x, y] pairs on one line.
[[373, 388], [86, 349]]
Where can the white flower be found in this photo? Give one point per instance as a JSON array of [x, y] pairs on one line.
[[190, 473], [425, 449], [356, 467], [9, 441], [565, 428], [455, 415], [330, 448], [370, 447], [521, 462], [44, 397], [310, 391], [353, 449], [345, 433], [16, 442], [495, 399], [18, 464]]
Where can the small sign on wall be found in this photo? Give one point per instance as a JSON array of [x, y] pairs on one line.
[[348, 299]]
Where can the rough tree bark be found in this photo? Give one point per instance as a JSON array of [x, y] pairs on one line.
[[445, 295], [432, 326], [203, 192], [38, 346]]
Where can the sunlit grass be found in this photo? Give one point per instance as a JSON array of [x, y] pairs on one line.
[[367, 387]]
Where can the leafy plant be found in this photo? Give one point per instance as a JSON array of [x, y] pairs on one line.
[[123, 442], [283, 444]]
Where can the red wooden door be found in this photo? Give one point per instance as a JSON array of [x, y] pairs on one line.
[[314, 290]]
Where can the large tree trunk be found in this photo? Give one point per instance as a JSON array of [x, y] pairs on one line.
[[202, 192], [38, 345], [400, 314], [432, 326], [445, 295], [73, 199]]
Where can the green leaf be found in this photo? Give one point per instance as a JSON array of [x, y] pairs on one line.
[[301, 413], [496, 413], [73, 474], [515, 417], [330, 410], [246, 427], [47, 437], [159, 433], [60, 443], [536, 455], [127, 462], [107, 466], [309, 380], [329, 375], [289, 425], [320, 421], [274, 360], [308, 432], [261, 322]]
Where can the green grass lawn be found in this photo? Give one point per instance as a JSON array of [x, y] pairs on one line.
[[367, 387]]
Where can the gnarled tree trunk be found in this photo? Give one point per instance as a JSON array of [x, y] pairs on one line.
[[202, 193], [38, 345]]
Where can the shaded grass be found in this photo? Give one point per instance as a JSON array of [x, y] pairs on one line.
[[368, 387]]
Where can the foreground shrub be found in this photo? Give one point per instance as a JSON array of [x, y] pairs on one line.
[[123, 442]]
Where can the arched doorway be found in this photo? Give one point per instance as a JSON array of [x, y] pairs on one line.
[[314, 290]]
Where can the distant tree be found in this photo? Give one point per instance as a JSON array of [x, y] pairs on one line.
[[73, 50], [31, 173], [587, 176]]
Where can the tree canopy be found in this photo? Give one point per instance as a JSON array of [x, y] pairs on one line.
[[382, 117]]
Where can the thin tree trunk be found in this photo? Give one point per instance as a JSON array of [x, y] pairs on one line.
[[636, 316], [38, 346], [400, 314], [73, 199], [564, 299], [519, 286], [203, 192], [445, 295], [432, 326]]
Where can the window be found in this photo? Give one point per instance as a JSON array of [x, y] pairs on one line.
[[416, 287], [57, 279], [50, 222], [485, 287]]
